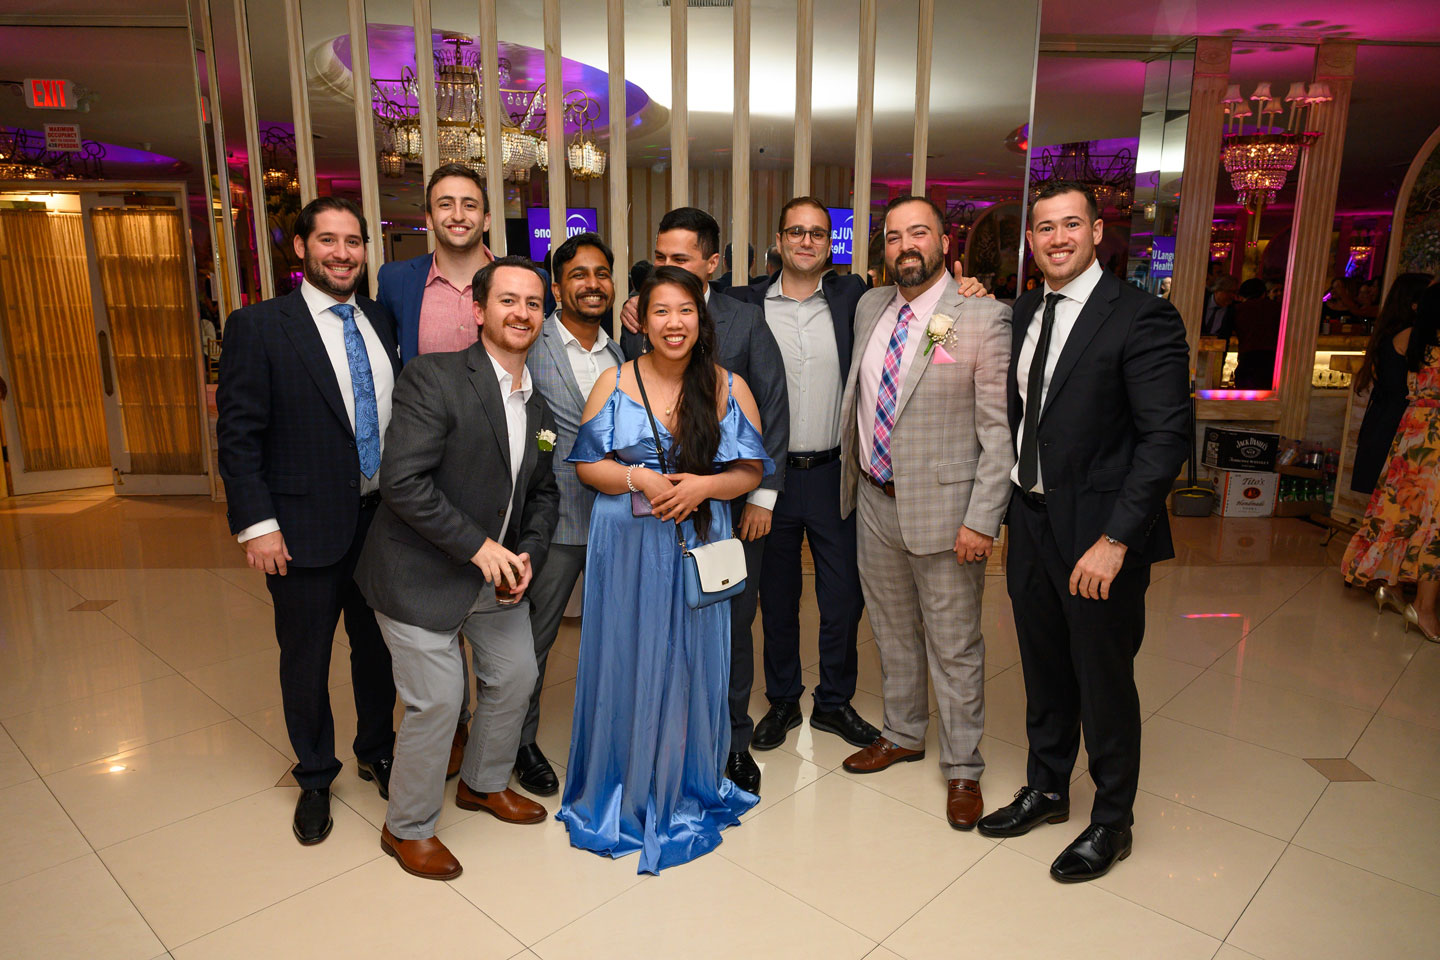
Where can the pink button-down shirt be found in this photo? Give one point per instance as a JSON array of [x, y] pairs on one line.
[[447, 317], [872, 363]]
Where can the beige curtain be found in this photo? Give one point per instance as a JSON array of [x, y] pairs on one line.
[[48, 326], [144, 273]]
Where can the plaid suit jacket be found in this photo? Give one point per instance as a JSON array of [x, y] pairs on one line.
[[951, 446], [550, 369]]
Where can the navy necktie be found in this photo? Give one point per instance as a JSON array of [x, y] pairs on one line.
[[362, 384]]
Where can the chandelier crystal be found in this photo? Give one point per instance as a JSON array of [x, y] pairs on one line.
[[1111, 177], [23, 156], [1259, 163]]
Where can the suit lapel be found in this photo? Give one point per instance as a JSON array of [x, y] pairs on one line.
[[487, 388], [300, 328], [949, 304], [555, 347], [532, 448], [720, 314], [1092, 317]]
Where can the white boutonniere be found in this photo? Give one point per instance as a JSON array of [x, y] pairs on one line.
[[940, 331], [545, 440]]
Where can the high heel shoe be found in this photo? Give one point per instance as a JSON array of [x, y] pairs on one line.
[[1412, 617], [1387, 596]]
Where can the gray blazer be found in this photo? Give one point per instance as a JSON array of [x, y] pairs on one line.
[[951, 447], [745, 346], [445, 480], [555, 379]]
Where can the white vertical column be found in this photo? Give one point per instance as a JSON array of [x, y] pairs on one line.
[[804, 85], [300, 102], [222, 169], [679, 105], [864, 137], [425, 95], [740, 150], [924, 55], [555, 125], [365, 139], [252, 149], [619, 211], [490, 101]]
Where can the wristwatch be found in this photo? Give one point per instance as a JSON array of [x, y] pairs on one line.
[[1112, 541]]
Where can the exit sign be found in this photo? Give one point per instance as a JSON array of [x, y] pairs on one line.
[[50, 94]]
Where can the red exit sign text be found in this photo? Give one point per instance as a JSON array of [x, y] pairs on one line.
[[50, 94]]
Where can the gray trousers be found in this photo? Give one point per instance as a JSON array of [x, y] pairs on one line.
[[549, 594], [926, 615], [430, 679]]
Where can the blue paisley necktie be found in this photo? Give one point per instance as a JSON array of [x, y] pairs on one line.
[[362, 383]]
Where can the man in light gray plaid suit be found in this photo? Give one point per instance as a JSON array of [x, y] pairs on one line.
[[572, 352], [926, 454]]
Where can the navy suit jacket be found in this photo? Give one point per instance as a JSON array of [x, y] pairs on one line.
[[402, 291], [842, 291], [287, 449]]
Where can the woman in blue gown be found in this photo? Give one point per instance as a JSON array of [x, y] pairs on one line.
[[652, 722]]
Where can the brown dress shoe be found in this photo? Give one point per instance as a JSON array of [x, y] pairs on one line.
[[963, 804], [880, 755], [504, 804], [457, 750], [428, 859]]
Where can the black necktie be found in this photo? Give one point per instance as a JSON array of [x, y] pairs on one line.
[[1034, 395]]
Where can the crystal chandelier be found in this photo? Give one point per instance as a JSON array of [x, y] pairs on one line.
[[460, 123], [23, 156], [1259, 163], [278, 177], [1111, 177]]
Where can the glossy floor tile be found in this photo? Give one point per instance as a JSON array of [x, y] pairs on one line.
[[145, 794]]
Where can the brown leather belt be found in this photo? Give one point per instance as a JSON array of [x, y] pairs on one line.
[[887, 488]]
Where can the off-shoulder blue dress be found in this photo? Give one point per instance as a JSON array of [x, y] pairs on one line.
[[652, 720]]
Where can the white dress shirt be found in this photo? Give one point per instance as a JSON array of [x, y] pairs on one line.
[[872, 362], [515, 422], [805, 333], [1067, 310], [332, 334], [587, 365]]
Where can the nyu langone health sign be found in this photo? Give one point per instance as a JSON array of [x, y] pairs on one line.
[[842, 234], [577, 220]]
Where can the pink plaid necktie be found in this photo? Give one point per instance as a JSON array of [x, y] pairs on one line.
[[886, 398]]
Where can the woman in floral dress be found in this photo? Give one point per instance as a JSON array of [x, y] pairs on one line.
[[1399, 540]]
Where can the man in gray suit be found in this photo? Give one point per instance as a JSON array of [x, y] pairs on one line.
[[926, 457], [689, 238], [573, 352], [469, 510]]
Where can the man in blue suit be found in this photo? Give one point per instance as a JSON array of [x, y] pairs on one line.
[[572, 354]]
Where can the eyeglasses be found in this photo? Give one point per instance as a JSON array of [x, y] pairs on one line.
[[796, 234]]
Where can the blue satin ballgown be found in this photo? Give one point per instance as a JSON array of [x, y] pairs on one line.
[[652, 720]]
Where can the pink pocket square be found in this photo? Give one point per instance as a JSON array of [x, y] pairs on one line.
[[941, 356]]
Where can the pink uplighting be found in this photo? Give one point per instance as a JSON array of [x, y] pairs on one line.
[[1214, 616], [1235, 394]]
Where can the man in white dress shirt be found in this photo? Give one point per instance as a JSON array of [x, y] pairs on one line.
[[304, 399], [573, 352]]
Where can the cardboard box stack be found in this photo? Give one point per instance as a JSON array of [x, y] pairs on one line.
[[1243, 462]]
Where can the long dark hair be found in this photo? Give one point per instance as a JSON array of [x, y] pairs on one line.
[[1425, 333], [1397, 313], [697, 430]]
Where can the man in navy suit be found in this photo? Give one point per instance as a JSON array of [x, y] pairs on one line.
[[689, 238], [303, 401]]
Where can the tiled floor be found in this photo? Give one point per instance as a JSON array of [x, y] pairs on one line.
[[145, 804]]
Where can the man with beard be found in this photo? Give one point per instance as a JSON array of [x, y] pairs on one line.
[[1099, 403], [571, 354], [925, 459], [303, 401], [469, 512]]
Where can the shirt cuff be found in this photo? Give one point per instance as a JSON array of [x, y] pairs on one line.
[[763, 498], [258, 530]]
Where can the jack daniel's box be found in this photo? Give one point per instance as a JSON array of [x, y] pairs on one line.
[[1228, 448]]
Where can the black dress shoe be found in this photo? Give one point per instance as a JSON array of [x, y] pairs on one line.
[[534, 771], [846, 724], [1092, 854], [779, 720], [1028, 810], [744, 772], [312, 816], [379, 771]]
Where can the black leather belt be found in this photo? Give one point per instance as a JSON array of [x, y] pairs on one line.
[[808, 461], [370, 500], [1036, 500], [887, 488]]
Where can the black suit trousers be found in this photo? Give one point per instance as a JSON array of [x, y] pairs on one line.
[[1079, 661], [809, 507], [742, 641], [309, 601]]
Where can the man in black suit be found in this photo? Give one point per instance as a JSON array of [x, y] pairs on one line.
[[470, 508], [689, 238], [303, 401], [810, 310], [1099, 403]]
